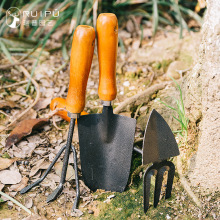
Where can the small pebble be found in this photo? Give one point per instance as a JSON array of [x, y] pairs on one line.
[[111, 196], [26, 162], [168, 217], [126, 83], [91, 211], [21, 168], [36, 211]]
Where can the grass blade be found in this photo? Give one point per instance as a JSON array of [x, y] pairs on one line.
[[16, 202], [167, 105], [191, 14], [1, 7], [155, 17], [87, 10], [121, 44], [78, 12], [64, 50], [5, 51]]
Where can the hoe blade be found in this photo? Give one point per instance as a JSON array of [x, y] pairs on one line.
[[159, 142]]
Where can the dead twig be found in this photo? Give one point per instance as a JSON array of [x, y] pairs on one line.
[[14, 84], [6, 66], [137, 111], [55, 125], [61, 67], [152, 75], [2, 112], [95, 8], [146, 93], [52, 113]]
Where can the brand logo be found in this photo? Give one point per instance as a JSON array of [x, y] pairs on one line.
[[13, 17]]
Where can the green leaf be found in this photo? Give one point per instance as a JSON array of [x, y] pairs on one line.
[[5, 51], [191, 14]]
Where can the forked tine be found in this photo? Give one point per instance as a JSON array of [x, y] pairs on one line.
[[158, 169], [76, 202], [29, 187], [158, 185], [170, 177], [147, 182]]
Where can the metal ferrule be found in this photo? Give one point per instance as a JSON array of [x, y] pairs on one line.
[[106, 103], [73, 115]]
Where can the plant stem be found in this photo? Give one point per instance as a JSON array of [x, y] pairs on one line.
[[16, 202]]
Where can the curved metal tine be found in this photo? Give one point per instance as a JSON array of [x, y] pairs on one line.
[[158, 183], [152, 170], [170, 178], [76, 202], [59, 189], [29, 187], [140, 151]]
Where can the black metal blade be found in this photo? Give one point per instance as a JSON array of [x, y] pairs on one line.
[[106, 145], [159, 142]]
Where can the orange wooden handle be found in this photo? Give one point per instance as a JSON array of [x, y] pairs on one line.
[[107, 32], [80, 62], [61, 103]]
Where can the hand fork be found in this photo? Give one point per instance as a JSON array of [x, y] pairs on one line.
[[158, 169], [81, 58]]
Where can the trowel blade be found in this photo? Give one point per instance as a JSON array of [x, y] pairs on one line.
[[106, 144]]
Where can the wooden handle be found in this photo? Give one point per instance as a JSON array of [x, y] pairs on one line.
[[80, 63], [61, 103], [107, 32]]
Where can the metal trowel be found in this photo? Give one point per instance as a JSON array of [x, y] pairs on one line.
[[106, 139]]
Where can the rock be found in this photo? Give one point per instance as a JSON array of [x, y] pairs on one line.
[[91, 211], [143, 109], [130, 26], [175, 68], [170, 48], [136, 44], [142, 121], [124, 34], [166, 95]]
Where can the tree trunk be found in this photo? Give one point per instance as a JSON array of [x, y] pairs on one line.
[[202, 98]]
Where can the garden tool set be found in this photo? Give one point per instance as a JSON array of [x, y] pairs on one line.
[[106, 140]]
